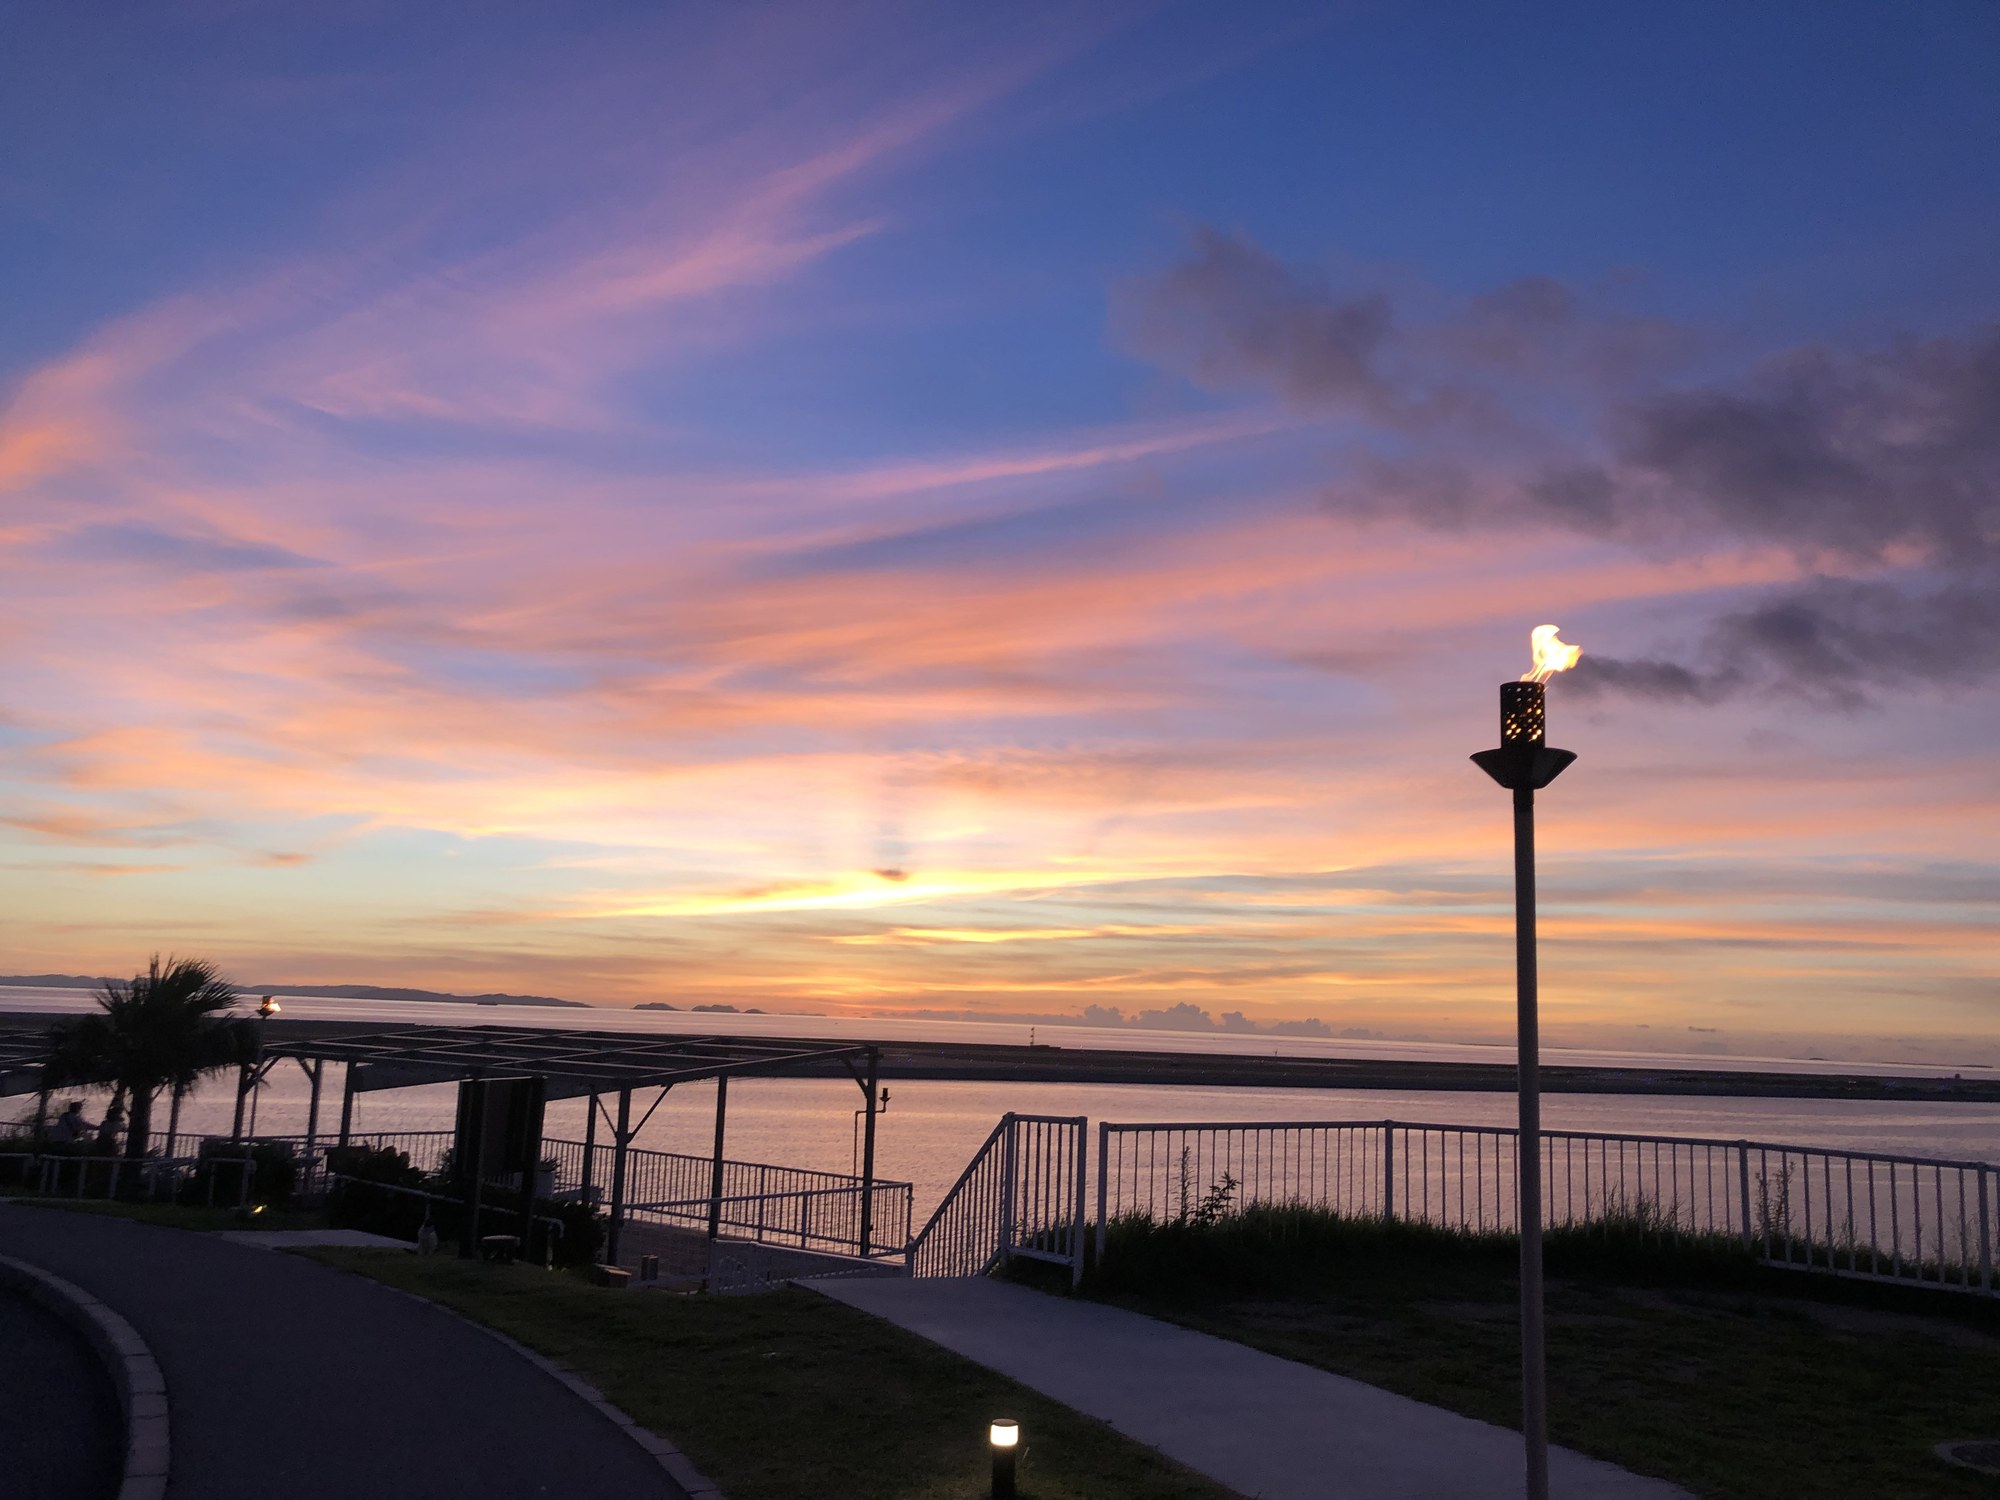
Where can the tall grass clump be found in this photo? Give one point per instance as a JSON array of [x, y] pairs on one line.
[[1268, 1249]]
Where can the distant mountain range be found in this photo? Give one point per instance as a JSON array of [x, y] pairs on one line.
[[320, 991]]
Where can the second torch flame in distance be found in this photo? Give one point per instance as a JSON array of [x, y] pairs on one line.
[[1551, 655]]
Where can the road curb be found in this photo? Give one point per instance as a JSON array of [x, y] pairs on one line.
[[142, 1387]]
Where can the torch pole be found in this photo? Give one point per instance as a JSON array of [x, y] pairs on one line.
[[1534, 1361], [1524, 763]]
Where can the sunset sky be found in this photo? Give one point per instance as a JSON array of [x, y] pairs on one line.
[[1004, 509]]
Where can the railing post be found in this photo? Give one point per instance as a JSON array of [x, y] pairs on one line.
[[1985, 1235], [1079, 1224], [1743, 1190], [1388, 1170], [1103, 1188], [1007, 1190]]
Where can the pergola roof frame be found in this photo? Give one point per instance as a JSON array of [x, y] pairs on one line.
[[571, 1062], [24, 1059], [22, 1054]]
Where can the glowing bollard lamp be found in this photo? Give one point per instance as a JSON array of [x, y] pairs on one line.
[[1005, 1438], [1525, 764]]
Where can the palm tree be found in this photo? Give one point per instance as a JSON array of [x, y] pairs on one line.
[[167, 1029]]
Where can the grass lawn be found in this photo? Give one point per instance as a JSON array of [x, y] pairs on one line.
[[788, 1393], [1733, 1380]]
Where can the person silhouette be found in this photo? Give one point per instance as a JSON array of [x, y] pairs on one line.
[[70, 1125]]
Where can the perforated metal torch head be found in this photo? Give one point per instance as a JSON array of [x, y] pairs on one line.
[[1524, 713], [1523, 760]]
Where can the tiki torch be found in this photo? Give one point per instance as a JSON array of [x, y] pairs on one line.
[[1525, 764]]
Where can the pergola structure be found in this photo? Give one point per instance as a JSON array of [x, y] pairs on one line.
[[22, 1055], [572, 1065]]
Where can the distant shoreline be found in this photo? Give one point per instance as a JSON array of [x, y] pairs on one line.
[[307, 991], [997, 1062]]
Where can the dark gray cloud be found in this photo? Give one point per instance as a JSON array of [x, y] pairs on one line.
[[1882, 461], [1833, 640], [1832, 453], [1232, 315]]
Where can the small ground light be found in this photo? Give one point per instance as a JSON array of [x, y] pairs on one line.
[[1005, 1436]]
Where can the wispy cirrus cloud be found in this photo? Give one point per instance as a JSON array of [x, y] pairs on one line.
[[458, 584]]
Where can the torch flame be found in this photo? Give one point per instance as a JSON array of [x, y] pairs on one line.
[[1551, 655]]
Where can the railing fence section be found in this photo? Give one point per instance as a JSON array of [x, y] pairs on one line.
[[1023, 1194], [1919, 1220], [760, 1201]]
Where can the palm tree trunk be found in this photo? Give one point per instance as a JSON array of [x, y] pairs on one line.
[[115, 1118], [140, 1125]]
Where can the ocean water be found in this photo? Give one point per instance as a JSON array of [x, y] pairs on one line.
[[931, 1128]]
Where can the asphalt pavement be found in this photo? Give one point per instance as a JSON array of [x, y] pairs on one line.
[[287, 1378], [61, 1436]]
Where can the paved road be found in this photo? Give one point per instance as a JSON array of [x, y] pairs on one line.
[[287, 1378], [60, 1432], [1261, 1425]]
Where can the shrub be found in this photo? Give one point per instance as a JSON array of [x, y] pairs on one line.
[[360, 1202], [355, 1202], [1269, 1248], [219, 1168]]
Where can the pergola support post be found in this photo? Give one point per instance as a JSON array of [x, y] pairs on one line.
[[586, 1179], [472, 1165], [868, 1153], [347, 1083], [715, 1165], [620, 1138], [312, 1109], [242, 1094]]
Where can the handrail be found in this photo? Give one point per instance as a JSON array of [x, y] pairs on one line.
[[978, 1158], [1022, 1194], [1922, 1220], [1124, 1127]]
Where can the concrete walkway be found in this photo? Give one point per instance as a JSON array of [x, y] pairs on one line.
[[288, 1378], [1266, 1427], [300, 1239]]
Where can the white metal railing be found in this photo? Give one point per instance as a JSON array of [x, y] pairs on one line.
[[65, 1174], [1022, 1194], [1911, 1219], [760, 1201]]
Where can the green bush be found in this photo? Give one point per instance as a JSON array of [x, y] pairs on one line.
[[219, 1167], [355, 1202], [1267, 1249]]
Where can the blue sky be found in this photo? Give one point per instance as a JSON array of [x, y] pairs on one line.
[[511, 495]]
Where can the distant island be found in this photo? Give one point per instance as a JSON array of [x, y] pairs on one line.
[[310, 991], [726, 1010]]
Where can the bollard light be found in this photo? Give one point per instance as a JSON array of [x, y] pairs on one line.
[[1005, 1437]]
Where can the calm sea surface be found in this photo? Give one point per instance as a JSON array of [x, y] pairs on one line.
[[932, 1128]]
